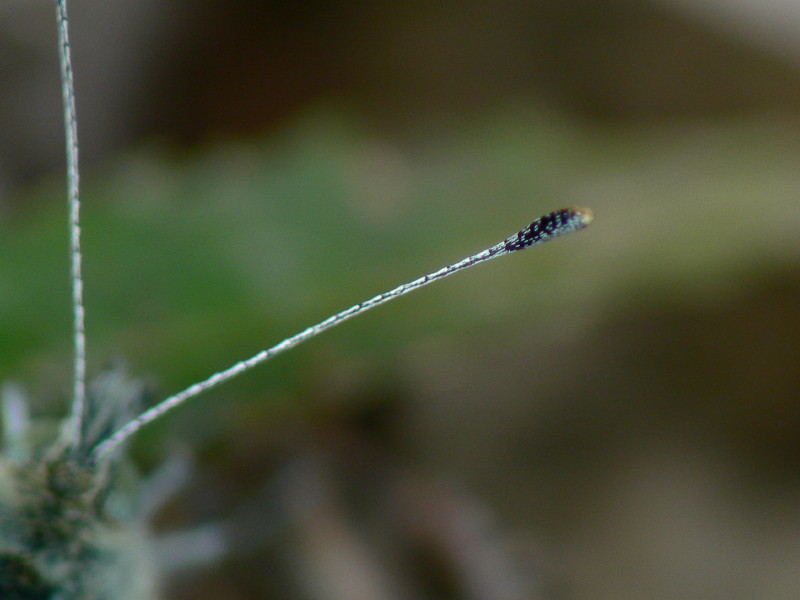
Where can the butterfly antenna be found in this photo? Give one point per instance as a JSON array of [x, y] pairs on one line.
[[541, 230], [76, 418]]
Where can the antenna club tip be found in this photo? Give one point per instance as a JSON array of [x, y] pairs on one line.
[[585, 215], [551, 225]]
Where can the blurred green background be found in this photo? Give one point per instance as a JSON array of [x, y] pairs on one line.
[[614, 415]]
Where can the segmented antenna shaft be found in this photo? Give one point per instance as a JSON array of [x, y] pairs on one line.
[[545, 228], [73, 198]]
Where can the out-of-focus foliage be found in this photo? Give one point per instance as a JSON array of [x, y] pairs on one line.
[[543, 383]]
